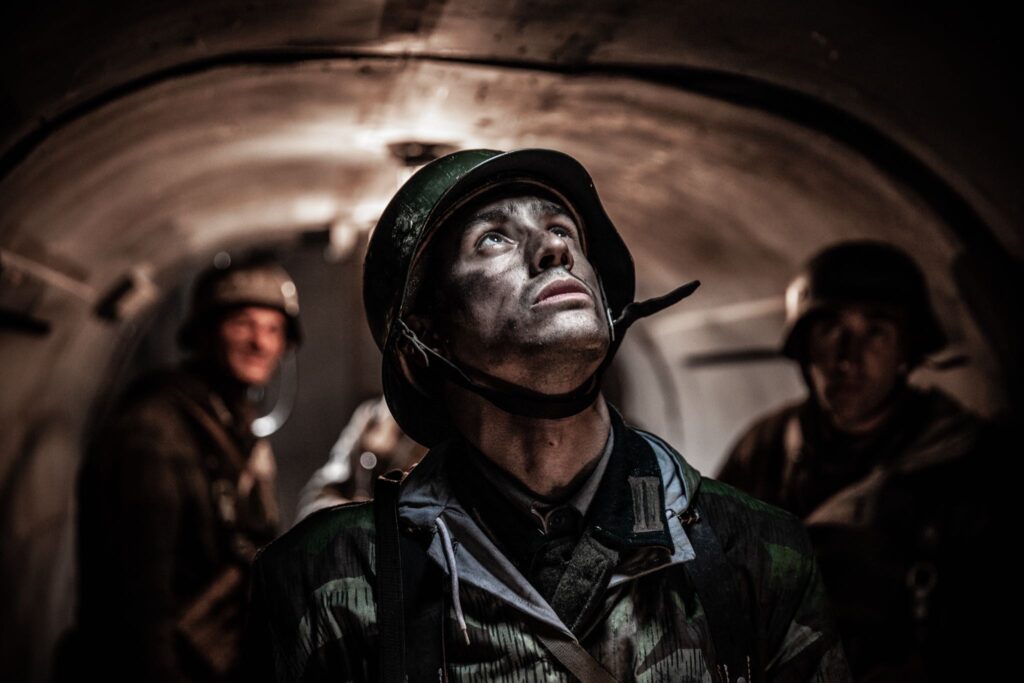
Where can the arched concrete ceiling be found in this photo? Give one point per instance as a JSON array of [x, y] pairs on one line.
[[938, 82], [700, 188], [696, 185]]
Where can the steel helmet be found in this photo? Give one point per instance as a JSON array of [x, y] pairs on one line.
[[862, 272], [251, 283], [411, 220]]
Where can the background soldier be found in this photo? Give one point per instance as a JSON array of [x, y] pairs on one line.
[[177, 493], [370, 444], [890, 479]]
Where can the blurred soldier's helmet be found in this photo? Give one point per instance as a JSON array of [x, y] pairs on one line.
[[256, 282], [862, 272], [412, 219]]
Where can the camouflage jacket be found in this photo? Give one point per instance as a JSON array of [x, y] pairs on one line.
[[314, 608]]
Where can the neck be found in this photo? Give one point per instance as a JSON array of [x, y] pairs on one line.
[[549, 457], [234, 393]]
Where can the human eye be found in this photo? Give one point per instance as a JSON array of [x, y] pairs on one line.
[[827, 329], [881, 330], [491, 238], [561, 231], [234, 327]]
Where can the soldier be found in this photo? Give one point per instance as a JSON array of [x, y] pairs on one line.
[[177, 493], [370, 444], [884, 475], [541, 538]]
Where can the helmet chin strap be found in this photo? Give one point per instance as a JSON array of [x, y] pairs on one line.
[[518, 400], [642, 309]]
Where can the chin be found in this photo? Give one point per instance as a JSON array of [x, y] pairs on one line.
[[582, 331], [851, 414], [252, 377], [564, 350], [567, 363]]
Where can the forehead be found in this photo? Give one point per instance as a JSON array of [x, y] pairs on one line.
[[262, 314], [866, 312], [507, 208]]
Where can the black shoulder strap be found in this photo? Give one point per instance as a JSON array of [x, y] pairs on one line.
[[409, 614], [725, 597], [390, 603], [722, 590]]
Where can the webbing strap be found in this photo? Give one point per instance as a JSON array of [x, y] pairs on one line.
[[573, 657], [726, 607], [390, 608]]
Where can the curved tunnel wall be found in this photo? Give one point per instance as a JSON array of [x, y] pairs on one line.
[[153, 182]]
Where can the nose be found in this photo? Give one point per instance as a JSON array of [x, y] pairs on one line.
[[254, 340], [262, 339], [550, 251], [849, 347]]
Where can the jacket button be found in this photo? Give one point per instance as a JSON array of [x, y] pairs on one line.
[[558, 519]]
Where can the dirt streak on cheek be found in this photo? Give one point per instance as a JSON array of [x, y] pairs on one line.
[[478, 298], [465, 288]]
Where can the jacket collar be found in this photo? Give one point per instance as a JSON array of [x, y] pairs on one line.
[[641, 515], [629, 509]]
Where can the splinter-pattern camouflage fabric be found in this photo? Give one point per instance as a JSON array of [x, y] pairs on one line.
[[316, 614]]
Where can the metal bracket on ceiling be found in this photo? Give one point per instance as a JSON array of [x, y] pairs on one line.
[[23, 281], [132, 292], [46, 274]]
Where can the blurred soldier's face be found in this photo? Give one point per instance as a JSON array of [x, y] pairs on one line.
[[251, 341], [857, 358], [522, 302]]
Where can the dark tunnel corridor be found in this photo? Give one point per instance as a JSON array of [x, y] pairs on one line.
[[142, 142]]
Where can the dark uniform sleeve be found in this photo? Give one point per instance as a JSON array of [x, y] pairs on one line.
[[151, 516], [737, 470], [137, 505], [755, 463]]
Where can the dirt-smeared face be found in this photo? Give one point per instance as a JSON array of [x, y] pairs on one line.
[[518, 298], [250, 343], [856, 358]]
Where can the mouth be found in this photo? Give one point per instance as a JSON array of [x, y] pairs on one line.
[[251, 360], [843, 387], [563, 289]]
